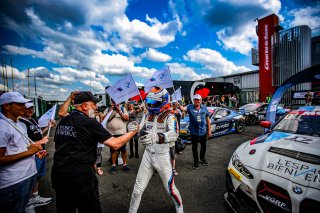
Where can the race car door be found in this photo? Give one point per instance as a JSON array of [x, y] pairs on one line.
[[220, 122]]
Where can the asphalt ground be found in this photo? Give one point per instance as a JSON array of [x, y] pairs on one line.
[[201, 190]]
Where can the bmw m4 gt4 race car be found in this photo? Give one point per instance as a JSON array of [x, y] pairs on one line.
[[255, 112], [223, 121], [278, 171]]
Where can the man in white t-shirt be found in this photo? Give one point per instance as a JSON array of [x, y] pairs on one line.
[[17, 163]]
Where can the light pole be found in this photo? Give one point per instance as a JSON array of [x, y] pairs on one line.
[[35, 82]]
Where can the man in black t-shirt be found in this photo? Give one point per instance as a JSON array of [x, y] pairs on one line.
[[35, 133], [73, 175]]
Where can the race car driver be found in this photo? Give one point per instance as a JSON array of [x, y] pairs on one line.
[[160, 130]]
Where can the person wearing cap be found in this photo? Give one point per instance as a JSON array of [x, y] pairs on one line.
[[199, 127], [73, 175], [17, 164], [35, 133], [64, 108]]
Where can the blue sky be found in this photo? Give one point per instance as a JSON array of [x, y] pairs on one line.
[[83, 45]]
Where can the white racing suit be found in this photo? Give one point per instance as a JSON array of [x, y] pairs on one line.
[[156, 157]]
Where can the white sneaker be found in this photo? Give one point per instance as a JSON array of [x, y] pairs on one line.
[[39, 201], [30, 209]]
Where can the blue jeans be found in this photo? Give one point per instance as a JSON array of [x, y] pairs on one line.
[[14, 199], [41, 167]]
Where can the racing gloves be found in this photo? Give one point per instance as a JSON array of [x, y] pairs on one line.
[[152, 138]]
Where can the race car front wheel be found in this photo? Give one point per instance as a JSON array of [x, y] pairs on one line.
[[251, 119], [240, 126]]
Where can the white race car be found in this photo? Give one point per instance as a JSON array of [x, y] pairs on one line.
[[278, 171]]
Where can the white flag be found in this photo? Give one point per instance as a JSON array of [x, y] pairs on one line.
[[46, 117], [123, 89], [160, 78], [177, 96]]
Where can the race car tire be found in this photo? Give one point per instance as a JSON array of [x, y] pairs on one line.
[[240, 126], [251, 120]]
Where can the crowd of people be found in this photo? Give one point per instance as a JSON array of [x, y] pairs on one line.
[[79, 139], [226, 100]]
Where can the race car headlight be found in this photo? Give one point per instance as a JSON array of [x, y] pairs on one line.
[[240, 167]]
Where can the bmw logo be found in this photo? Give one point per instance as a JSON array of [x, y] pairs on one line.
[[162, 76], [297, 189], [128, 85]]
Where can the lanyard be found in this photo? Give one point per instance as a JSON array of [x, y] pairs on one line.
[[16, 128], [32, 123]]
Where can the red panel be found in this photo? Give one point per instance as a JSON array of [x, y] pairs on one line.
[[266, 28]]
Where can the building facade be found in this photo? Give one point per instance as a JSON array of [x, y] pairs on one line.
[[291, 53]]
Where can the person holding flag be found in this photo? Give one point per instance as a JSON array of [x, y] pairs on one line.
[[17, 165], [35, 133]]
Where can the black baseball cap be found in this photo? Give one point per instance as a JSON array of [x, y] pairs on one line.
[[85, 96]]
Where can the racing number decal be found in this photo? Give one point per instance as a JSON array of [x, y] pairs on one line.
[[300, 139]]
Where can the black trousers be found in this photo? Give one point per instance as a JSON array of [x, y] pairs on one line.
[[85, 198], [135, 142], [195, 139]]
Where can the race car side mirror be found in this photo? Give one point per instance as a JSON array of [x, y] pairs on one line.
[[266, 124]]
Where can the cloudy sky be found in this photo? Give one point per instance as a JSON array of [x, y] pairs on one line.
[[87, 45]]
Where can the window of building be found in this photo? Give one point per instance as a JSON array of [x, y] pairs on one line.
[[236, 80]]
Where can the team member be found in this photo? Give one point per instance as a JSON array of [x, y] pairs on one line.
[[73, 175], [35, 134], [17, 164], [199, 127], [161, 129]]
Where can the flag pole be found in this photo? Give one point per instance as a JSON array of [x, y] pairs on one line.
[[144, 107], [49, 128], [172, 82], [53, 114], [171, 79]]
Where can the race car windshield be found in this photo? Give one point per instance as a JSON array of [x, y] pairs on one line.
[[250, 107], [300, 124]]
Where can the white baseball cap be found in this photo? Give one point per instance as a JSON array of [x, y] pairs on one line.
[[197, 96], [29, 104], [12, 97]]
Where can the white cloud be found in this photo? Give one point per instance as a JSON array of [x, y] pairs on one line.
[[185, 73], [241, 42], [154, 55], [79, 75], [213, 61], [306, 16], [97, 86], [139, 34]]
